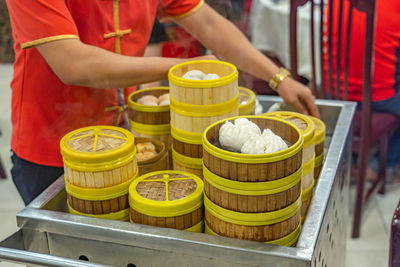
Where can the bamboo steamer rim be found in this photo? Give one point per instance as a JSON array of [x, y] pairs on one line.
[[156, 143], [98, 194], [249, 106], [201, 111], [307, 194], [308, 133], [186, 137], [309, 166], [150, 129], [189, 162], [252, 188], [77, 158], [287, 240], [224, 80], [140, 107], [167, 208], [320, 129], [122, 215], [252, 158], [319, 160], [252, 219], [197, 228]]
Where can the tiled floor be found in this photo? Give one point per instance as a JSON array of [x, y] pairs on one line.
[[370, 250]]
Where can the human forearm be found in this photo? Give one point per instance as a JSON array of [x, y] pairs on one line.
[[76, 63], [228, 43]]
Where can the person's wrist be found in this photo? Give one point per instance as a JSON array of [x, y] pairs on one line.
[[277, 79]]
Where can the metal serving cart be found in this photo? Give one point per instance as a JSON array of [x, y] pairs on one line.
[[50, 236]]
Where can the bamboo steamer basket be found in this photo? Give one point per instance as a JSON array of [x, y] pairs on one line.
[[307, 127], [247, 101], [99, 164], [158, 162], [306, 197], [195, 104], [254, 197], [319, 145], [171, 199], [151, 121]]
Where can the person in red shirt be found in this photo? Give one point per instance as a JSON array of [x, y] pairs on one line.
[[386, 67], [71, 55]]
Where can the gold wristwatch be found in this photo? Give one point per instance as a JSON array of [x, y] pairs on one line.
[[277, 78]]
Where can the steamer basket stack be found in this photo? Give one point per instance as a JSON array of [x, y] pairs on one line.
[[195, 104], [247, 101], [254, 197], [99, 165], [319, 146], [307, 127]]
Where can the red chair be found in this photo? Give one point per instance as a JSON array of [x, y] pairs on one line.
[[365, 120], [394, 250]]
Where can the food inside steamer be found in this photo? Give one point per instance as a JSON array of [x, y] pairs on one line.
[[245, 137], [150, 100], [145, 151], [199, 75]]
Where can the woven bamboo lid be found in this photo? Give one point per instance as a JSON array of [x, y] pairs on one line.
[[97, 145], [319, 130], [303, 122], [166, 193], [247, 101]]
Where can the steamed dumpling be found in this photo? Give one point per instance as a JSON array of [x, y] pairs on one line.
[[254, 145], [194, 75], [273, 142], [211, 76], [247, 125], [148, 100]]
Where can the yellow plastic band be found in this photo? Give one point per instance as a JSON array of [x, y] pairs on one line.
[[140, 107], [204, 110], [308, 133], [308, 166], [194, 163], [307, 194], [319, 160], [197, 228], [167, 208], [224, 80], [186, 137], [252, 219], [252, 158], [97, 167], [250, 106], [122, 215], [252, 188], [287, 240], [150, 129], [97, 194]]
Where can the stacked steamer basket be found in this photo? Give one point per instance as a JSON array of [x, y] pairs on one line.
[[307, 127], [247, 101], [319, 146], [171, 199], [150, 121], [99, 164], [254, 196], [158, 162], [195, 104]]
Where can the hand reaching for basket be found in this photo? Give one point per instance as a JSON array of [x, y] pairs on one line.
[[299, 96]]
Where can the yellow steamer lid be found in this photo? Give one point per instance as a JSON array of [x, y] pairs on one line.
[[248, 98], [97, 148], [132, 104], [166, 193], [319, 130], [303, 122]]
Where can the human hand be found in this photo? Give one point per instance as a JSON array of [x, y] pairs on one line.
[[206, 57], [299, 96]]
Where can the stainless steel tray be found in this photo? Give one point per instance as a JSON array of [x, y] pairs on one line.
[[46, 227]]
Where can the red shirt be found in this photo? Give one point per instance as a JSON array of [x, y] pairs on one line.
[[386, 50], [43, 108]]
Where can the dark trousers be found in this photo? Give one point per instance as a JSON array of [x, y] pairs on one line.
[[31, 179]]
